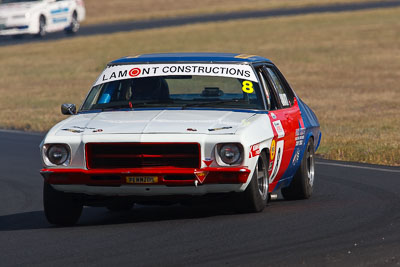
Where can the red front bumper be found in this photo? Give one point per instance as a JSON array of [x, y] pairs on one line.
[[166, 176]]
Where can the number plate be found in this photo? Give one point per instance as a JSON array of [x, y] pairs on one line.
[[141, 179]]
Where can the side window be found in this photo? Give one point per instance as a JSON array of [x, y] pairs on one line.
[[279, 87], [269, 93], [264, 86]]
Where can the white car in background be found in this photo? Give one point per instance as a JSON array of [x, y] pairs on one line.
[[39, 17]]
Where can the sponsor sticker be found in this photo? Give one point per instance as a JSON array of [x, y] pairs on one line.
[[296, 157], [201, 176], [299, 137], [279, 128], [254, 150], [284, 99], [273, 149], [277, 161], [134, 72], [121, 72], [208, 161]]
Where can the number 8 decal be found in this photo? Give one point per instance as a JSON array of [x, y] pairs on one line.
[[247, 87]]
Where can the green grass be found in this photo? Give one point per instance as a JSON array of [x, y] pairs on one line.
[[346, 66]]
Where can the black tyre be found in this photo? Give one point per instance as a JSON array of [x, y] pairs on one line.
[[301, 186], [255, 197], [60, 208], [74, 26], [120, 205], [42, 27]]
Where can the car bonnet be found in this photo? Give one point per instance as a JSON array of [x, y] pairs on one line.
[[156, 121]]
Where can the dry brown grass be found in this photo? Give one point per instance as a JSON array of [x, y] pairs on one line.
[[105, 11], [345, 66]]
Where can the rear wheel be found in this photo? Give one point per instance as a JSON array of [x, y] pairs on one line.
[[74, 26], [42, 27], [301, 186], [255, 197], [60, 208]]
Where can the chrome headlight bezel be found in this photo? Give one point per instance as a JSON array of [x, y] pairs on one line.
[[221, 154], [50, 160]]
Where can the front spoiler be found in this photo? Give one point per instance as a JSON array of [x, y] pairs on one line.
[[149, 191], [166, 176]]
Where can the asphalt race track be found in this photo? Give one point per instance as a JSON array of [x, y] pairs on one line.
[[353, 219], [169, 22]]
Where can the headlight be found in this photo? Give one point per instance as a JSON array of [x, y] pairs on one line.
[[230, 153], [57, 154]]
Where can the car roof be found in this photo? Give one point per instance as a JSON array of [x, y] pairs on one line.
[[190, 57]]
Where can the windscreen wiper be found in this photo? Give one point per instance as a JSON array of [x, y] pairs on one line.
[[133, 105], [211, 103]]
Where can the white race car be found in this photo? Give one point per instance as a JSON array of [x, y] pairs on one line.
[[173, 127], [39, 17]]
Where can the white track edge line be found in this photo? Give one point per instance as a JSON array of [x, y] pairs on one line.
[[357, 167]]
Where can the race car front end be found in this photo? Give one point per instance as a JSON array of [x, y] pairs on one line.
[[147, 164]]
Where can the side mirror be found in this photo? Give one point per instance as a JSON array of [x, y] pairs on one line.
[[68, 109]]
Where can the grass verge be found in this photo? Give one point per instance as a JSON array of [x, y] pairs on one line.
[[105, 11], [345, 66]]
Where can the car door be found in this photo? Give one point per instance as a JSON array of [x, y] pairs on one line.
[[283, 114], [59, 14]]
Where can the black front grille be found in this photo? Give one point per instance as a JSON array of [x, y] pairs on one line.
[[141, 155]]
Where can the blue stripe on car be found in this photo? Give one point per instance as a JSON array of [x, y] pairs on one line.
[[60, 10], [58, 20]]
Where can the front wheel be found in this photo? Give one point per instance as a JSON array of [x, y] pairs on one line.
[[255, 197], [74, 26], [60, 208], [301, 186]]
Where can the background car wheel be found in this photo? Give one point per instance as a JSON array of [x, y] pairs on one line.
[[301, 186], [120, 205], [74, 26], [42, 27], [255, 197], [60, 208]]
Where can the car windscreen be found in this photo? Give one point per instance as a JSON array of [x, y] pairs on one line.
[[175, 91], [181, 91]]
